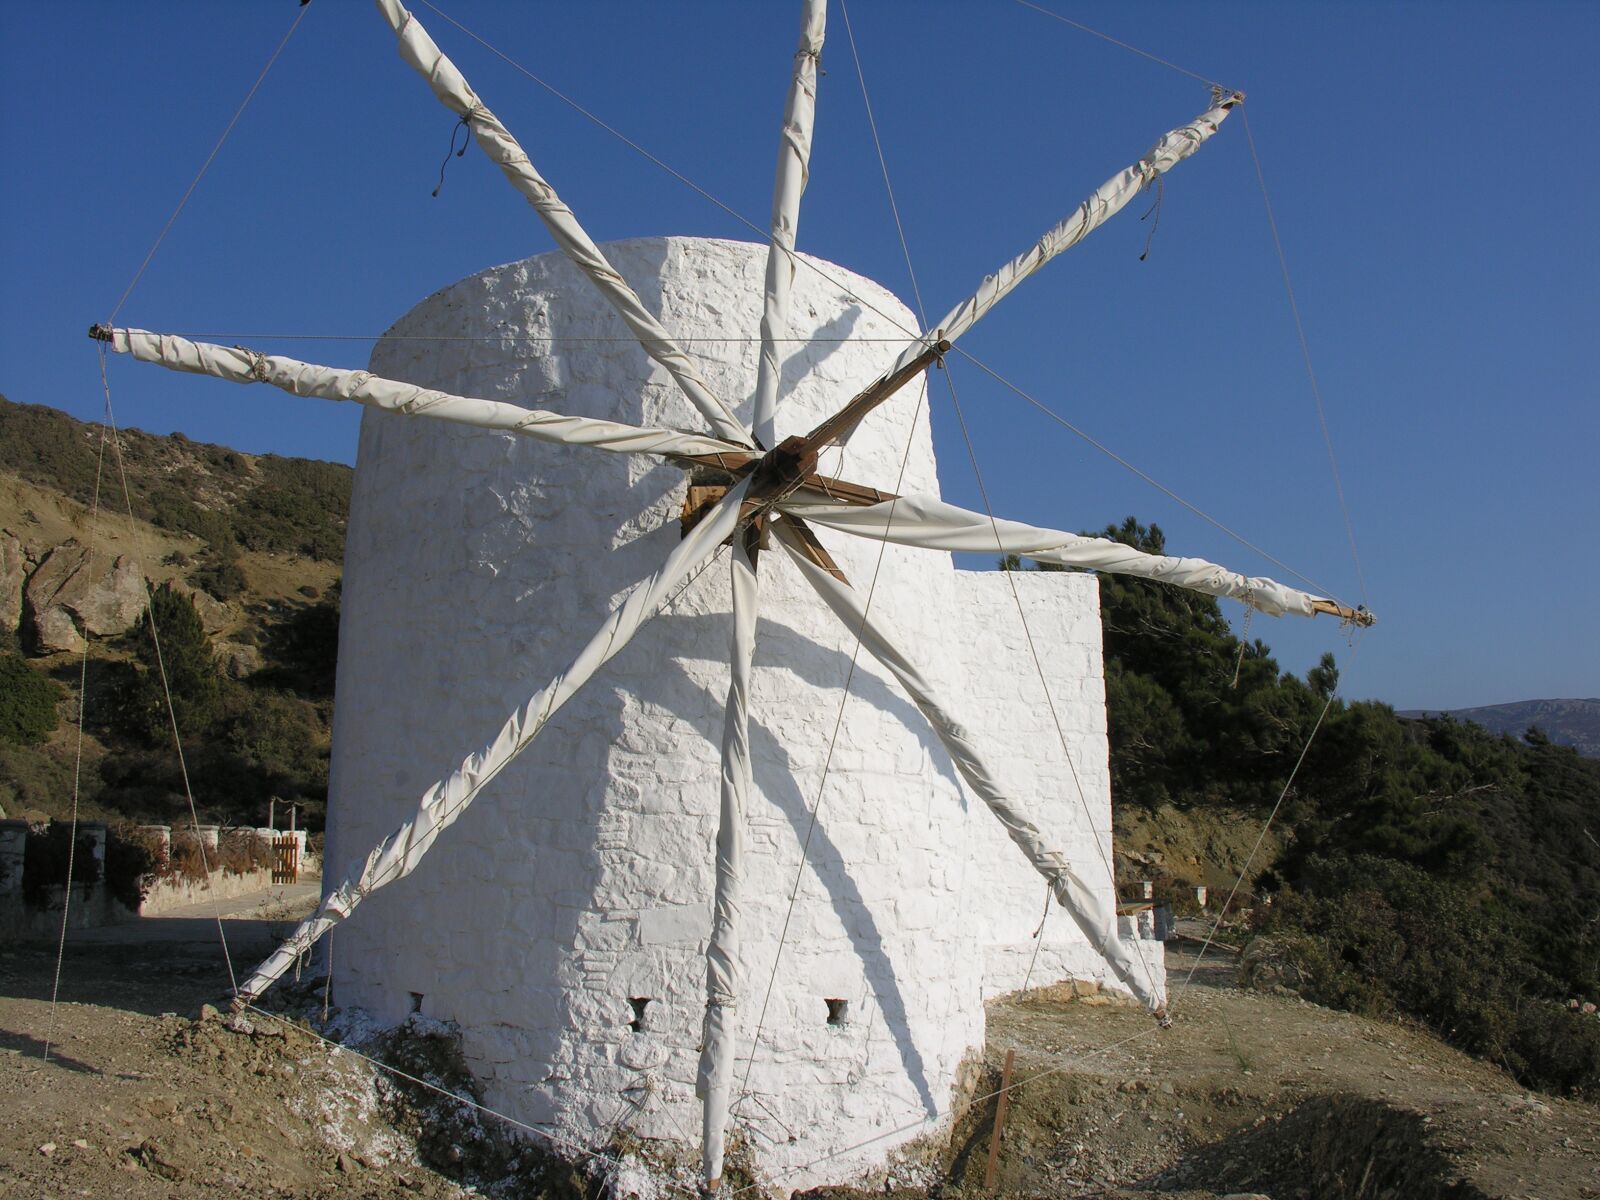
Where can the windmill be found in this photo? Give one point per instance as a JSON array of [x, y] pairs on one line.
[[760, 495]]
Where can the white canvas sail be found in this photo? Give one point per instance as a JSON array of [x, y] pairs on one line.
[[794, 158], [934, 525], [417, 48], [1110, 198], [714, 1080], [238, 365]]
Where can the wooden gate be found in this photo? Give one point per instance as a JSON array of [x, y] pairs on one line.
[[285, 859]]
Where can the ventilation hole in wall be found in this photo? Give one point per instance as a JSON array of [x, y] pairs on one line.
[[640, 1004], [838, 1012], [416, 1002]]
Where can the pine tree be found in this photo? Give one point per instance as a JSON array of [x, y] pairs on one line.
[[191, 675]]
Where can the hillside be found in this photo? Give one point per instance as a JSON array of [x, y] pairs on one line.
[[242, 552], [1574, 723], [228, 500]]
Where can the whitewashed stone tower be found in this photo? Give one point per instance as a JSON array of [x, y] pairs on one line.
[[562, 924]]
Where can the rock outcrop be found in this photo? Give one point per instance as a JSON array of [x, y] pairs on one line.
[[76, 594], [13, 575], [239, 660], [215, 616]]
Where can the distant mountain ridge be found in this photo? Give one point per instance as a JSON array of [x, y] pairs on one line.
[[1574, 723]]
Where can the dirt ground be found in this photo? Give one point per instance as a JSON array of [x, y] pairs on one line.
[[1264, 1094], [1247, 1094]]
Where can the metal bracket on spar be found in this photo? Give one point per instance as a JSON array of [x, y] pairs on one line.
[[1359, 615]]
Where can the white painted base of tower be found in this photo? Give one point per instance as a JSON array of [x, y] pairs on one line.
[[562, 922]]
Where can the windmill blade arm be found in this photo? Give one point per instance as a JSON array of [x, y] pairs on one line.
[[399, 853], [1088, 907], [714, 1080], [794, 158], [934, 525], [1110, 198], [420, 52], [238, 365]]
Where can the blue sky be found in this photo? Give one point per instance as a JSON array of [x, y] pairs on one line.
[[1427, 164]]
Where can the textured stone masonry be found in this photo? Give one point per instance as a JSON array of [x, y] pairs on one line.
[[562, 921]]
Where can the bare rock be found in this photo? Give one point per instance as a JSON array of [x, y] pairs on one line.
[[53, 631], [239, 660], [215, 616], [75, 593], [13, 574]]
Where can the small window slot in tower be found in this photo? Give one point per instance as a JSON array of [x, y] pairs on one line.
[[838, 1012], [640, 1005], [416, 1002]]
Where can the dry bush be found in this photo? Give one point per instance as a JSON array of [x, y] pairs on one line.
[[135, 860], [241, 851], [188, 859]]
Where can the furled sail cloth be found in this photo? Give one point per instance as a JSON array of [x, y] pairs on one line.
[[1110, 198], [453, 91], [794, 157], [934, 525], [1086, 904], [238, 365], [714, 1080], [399, 853]]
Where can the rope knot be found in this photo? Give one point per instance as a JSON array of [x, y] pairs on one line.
[[258, 363]]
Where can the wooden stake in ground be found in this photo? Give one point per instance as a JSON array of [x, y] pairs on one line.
[[1003, 1103]]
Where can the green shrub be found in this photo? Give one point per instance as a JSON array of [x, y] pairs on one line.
[[221, 575], [1426, 858], [1557, 1049], [168, 507], [304, 648], [1377, 936], [191, 676], [44, 864], [27, 702], [144, 785], [135, 859], [299, 506], [33, 778]]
